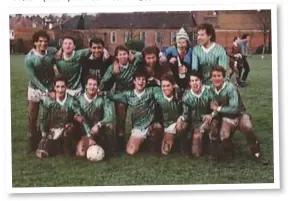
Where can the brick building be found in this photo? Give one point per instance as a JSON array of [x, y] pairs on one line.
[[154, 28]]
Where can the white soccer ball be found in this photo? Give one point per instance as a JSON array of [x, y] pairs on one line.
[[95, 153]]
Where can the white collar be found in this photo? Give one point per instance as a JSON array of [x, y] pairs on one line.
[[139, 94], [88, 99], [198, 95], [68, 58], [63, 101], [218, 92], [206, 50], [40, 55], [126, 66], [92, 57], [167, 98]]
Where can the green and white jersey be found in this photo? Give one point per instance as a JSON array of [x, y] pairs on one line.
[[123, 79], [39, 69], [195, 106], [229, 99], [56, 113], [204, 59], [71, 68], [96, 110], [142, 105], [171, 108]]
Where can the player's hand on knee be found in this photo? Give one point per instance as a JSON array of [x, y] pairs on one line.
[[214, 106], [207, 118], [95, 129]]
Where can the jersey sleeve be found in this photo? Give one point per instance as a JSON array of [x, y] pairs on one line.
[[233, 106], [223, 59], [195, 61], [119, 97], [185, 108], [108, 112], [106, 83], [83, 52], [29, 68], [75, 106]]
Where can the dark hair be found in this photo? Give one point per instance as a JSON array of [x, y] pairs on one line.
[[120, 48], [60, 78], [244, 36], [151, 50], [39, 34], [218, 69], [88, 77], [169, 78], [210, 31], [235, 38], [70, 38], [196, 74], [96, 40], [140, 73]]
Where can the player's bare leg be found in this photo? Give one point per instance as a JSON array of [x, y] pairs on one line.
[[245, 126], [181, 130], [155, 137], [121, 110], [227, 128], [197, 143], [109, 139], [34, 136], [167, 143], [133, 145]]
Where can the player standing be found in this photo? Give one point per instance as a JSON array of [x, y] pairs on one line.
[[39, 67], [208, 53]]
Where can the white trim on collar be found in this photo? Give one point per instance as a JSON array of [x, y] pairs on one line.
[[68, 58], [139, 94], [88, 99], [218, 92], [40, 55], [126, 66], [167, 98], [206, 50], [62, 102], [198, 95]]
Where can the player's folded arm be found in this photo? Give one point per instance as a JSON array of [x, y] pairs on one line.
[[29, 68], [233, 107]]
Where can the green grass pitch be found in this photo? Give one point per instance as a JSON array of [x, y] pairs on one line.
[[145, 169]]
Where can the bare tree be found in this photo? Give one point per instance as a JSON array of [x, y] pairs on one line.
[[263, 19]]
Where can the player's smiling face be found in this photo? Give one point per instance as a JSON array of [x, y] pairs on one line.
[[68, 46], [202, 37], [140, 83], [182, 46], [217, 79], [122, 57], [195, 84], [97, 49], [167, 88], [60, 89], [151, 60], [42, 44], [91, 87]]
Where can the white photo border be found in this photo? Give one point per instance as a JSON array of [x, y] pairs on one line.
[[168, 7]]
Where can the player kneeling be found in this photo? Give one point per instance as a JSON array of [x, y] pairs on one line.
[[142, 105], [56, 122], [171, 109], [234, 116], [98, 113], [199, 116]]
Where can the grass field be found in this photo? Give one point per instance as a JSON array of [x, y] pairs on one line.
[[145, 169]]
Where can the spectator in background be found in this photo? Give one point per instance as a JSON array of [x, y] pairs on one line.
[[245, 53]]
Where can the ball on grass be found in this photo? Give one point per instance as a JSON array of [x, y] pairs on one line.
[[95, 153]]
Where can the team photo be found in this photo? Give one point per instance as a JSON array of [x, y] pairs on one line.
[[141, 98]]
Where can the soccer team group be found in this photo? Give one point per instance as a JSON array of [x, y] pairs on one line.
[[78, 99]]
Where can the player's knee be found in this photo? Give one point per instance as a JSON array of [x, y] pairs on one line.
[[196, 137], [224, 134], [131, 150]]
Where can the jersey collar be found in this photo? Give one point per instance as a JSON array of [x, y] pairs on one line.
[[63, 101], [139, 94], [206, 50], [88, 99], [68, 58], [198, 95], [218, 92]]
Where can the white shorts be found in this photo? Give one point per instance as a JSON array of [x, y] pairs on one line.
[[141, 133], [75, 92], [36, 95], [171, 129], [234, 122], [55, 133]]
